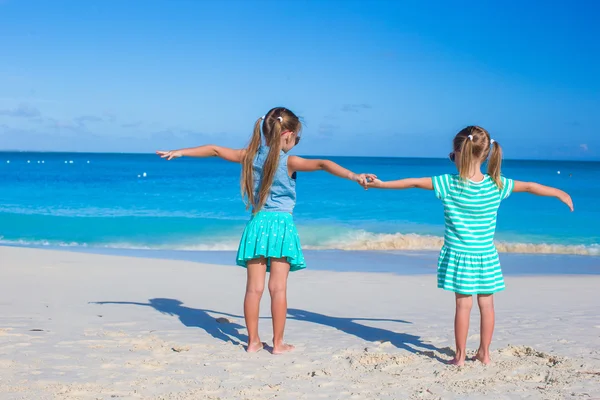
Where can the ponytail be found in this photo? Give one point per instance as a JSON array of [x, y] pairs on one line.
[[270, 166], [247, 183], [495, 164]]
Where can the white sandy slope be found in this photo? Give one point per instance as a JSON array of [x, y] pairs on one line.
[[55, 343]]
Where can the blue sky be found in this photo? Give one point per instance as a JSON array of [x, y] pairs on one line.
[[388, 78]]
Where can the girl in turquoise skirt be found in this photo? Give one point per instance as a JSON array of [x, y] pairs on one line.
[[468, 263], [270, 242]]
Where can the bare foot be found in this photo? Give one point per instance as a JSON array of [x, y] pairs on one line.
[[457, 362], [482, 357], [254, 347], [283, 348]]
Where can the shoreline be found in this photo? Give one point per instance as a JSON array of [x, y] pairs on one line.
[[408, 262]]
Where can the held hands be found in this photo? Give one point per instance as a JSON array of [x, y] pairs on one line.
[[363, 179], [169, 155]]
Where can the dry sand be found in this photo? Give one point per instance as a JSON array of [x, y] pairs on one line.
[[358, 335]]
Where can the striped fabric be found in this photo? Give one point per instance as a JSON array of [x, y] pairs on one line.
[[468, 262]]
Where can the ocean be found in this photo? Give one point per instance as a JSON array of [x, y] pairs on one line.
[[139, 201]]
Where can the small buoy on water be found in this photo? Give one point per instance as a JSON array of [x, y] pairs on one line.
[[43, 161], [38, 162], [558, 172], [8, 161], [88, 162], [66, 162], [71, 162], [28, 161], [144, 175], [139, 176]]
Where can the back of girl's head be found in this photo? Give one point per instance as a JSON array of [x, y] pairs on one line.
[[474, 144], [274, 123]]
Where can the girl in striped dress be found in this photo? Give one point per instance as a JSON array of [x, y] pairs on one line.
[[468, 263]]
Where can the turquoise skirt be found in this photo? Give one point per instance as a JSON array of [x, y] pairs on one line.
[[271, 234], [466, 273]]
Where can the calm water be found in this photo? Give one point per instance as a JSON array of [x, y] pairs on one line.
[[104, 200]]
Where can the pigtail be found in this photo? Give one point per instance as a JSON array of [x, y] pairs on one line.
[[247, 180], [495, 164], [466, 157]]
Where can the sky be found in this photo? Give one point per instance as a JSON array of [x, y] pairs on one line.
[[377, 78]]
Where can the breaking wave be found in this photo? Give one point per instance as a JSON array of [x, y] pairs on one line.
[[355, 240], [363, 240]]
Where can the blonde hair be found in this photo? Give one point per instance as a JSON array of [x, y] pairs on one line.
[[474, 144], [276, 121]]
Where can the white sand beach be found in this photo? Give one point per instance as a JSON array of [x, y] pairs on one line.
[[358, 335]]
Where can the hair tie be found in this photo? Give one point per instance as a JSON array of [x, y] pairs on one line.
[[492, 141], [280, 119], [470, 137], [263, 117]]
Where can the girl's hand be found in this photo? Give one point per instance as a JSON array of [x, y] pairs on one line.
[[169, 155], [374, 183], [565, 198]]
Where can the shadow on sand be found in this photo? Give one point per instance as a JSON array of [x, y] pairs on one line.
[[193, 318], [230, 332]]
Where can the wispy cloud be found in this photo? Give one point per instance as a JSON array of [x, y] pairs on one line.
[[327, 129], [23, 110], [131, 124], [584, 147], [355, 108], [88, 118], [175, 137], [62, 124], [80, 123], [65, 140], [180, 133], [109, 116]]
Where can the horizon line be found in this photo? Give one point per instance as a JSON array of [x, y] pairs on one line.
[[591, 160]]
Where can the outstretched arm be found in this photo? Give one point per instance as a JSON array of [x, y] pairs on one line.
[[541, 190], [296, 163], [209, 150], [410, 183]]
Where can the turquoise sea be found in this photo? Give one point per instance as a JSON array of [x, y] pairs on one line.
[[138, 201]]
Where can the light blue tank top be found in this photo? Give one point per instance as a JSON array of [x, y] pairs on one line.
[[282, 196]]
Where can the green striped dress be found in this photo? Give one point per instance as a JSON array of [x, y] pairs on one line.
[[468, 263]]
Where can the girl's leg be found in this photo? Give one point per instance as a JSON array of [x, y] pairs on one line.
[[280, 269], [464, 303], [255, 285], [486, 308]]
